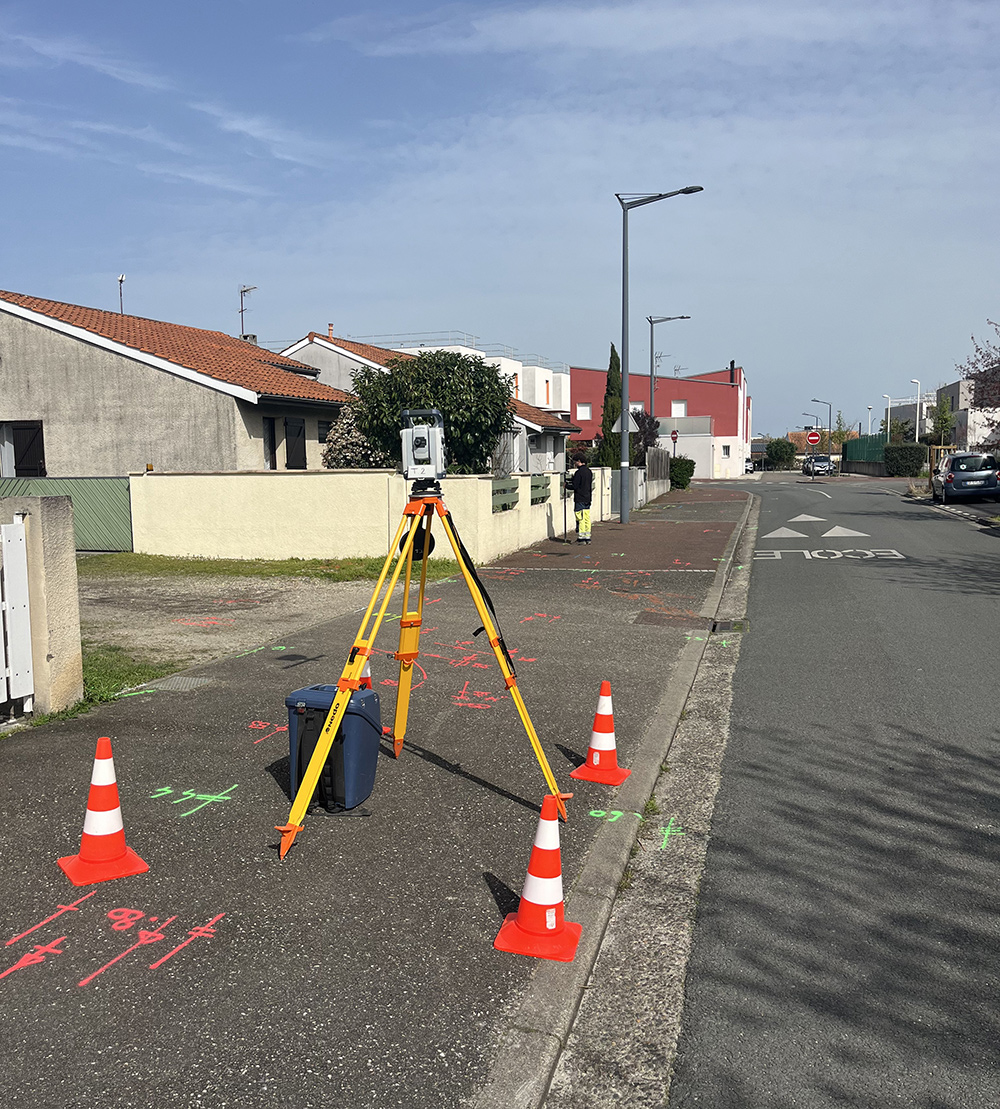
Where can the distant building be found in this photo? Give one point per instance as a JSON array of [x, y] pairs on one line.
[[974, 427], [710, 412]]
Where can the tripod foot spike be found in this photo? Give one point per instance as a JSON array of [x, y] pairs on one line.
[[288, 834]]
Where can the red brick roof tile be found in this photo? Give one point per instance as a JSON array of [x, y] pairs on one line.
[[378, 355], [547, 420], [212, 353]]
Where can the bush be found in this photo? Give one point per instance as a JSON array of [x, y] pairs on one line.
[[681, 471], [904, 459], [781, 453]]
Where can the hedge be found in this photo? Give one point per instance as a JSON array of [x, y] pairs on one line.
[[681, 471], [904, 459]]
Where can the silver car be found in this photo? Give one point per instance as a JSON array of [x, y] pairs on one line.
[[970, 474]]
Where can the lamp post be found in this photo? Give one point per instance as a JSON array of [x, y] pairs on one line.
[[869, 419], [916, 422], [829, 436], [652, 373], [628, 201], [888, 418]]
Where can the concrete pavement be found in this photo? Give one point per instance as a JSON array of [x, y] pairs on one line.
[[360, 970]]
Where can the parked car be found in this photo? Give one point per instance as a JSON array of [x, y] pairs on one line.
[[818, 464], [969, 474], [748, 467]]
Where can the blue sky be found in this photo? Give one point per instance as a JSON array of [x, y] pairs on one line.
[[417, 167]]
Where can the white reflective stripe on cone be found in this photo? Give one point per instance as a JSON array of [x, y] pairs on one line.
[[102, 823], [602, 741], [542, 891], [104, 772], [547, 835], [604, 706]]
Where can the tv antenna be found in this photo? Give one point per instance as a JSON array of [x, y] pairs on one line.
[[245, 291], [121, 296]]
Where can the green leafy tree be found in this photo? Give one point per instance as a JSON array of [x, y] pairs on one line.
[[780, 453], [840, 431], [901, 430], [471, 394], [943, 422], [348, 449], [610, 451]]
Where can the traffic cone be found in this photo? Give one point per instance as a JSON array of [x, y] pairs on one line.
[[602, 756], [103, 853], [538, 927], [366, 676]]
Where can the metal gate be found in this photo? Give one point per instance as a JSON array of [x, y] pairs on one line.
[[102, 509], [16, 680]]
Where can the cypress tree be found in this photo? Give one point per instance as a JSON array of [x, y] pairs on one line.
[[610, 451]]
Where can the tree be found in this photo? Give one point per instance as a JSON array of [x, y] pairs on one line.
[[901, 430], [943, 422], [840, 431], [781, 453], [471, 394], [610, 452], [649, 435], [347, 449], [982, 368]]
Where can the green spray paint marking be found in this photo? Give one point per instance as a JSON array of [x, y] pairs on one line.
[[669, 831], [135, 693]]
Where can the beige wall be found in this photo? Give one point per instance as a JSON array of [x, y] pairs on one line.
[[331, 514]]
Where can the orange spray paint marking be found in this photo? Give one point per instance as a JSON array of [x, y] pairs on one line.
[[144, 939]]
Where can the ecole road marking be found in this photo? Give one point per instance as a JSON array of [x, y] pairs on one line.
[[830, 555]]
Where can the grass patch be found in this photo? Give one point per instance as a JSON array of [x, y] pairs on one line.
[[651, 808], [107, 671], [129, 564]]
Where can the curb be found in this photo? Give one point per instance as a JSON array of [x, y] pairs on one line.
[[528, 1054]]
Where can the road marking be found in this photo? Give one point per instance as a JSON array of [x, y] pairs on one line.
[[784, 533], [807, 519], [831, 555], [822, 494], [844, 532]]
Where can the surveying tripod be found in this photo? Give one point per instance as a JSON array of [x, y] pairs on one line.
[[425, 502]]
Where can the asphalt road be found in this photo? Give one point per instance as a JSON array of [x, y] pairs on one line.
[[359, 971], [847, 946]]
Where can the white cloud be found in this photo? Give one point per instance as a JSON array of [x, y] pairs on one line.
[[75, 52], [280, 141]]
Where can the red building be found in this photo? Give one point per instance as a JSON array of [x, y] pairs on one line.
[[710, 413]]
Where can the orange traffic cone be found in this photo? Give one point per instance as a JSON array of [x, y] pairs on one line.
[[366, 676], [602, 756], [103, 853], [538, 927]]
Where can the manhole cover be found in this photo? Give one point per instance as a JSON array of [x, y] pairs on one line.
[[178, 683], [730, 625], [664, 619]]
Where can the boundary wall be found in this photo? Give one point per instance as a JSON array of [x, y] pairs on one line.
[[335, 513]]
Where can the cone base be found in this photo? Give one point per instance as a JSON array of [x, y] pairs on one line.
[[560, 946], [613, 776], [83, 873]]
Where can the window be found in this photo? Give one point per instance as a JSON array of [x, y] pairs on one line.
[[678, 408], [583, 411], [29, 451], [725, 450], [547, 399], [636, 406], [295, 444], [323, 430], [270, 448]]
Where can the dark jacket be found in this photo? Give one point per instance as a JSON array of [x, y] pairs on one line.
[[583, 486]]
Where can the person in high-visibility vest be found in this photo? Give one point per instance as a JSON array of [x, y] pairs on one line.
[[583, 489]]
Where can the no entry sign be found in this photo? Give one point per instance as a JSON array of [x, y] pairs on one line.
[[813, 438], [673, 437]]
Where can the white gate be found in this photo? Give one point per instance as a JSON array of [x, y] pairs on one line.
[[16, 679]]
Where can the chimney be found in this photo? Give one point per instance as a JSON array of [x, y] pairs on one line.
[[329, 331], [732, 371]]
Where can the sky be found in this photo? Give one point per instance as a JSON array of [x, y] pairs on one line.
[[412, 167]]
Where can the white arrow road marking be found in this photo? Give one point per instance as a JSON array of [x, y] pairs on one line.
[[804, 518], [785, 533], [839, 532]]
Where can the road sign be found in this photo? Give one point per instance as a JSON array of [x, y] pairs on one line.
[[632, 425], [673, 437], [813, 438]]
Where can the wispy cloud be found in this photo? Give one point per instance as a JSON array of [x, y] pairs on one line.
[[279, 141], [648, 26], [147, 134], [75, 52], [200, 176]]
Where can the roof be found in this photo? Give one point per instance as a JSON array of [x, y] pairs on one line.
[[547, 421], [213, 354], [378, 355]]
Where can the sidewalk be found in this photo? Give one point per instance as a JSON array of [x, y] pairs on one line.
[[360, 971]]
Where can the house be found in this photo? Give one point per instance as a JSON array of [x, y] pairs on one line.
[[974, 427], [538, 443], [710, 413], [89, 393]]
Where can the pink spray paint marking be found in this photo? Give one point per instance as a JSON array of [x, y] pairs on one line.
[[36, 955], [205, 930], [145, 938], [72, 907]]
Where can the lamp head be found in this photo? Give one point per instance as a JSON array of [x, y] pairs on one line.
[[693, 189]]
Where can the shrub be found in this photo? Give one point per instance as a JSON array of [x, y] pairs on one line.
[[904, 459], [681, 471], [347, 449], [781, 453]]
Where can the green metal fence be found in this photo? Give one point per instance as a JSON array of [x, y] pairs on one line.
[[539, 489], [866, 448], [505, 494], [102, 510]]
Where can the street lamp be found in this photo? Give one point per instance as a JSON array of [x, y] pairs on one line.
[[655, 320], [829, 437], [869, 419], [888, 418], [628, 201], [916, 422]]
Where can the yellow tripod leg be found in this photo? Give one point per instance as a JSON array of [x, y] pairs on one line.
[[508, 673], [350, 679], [409, 639]]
